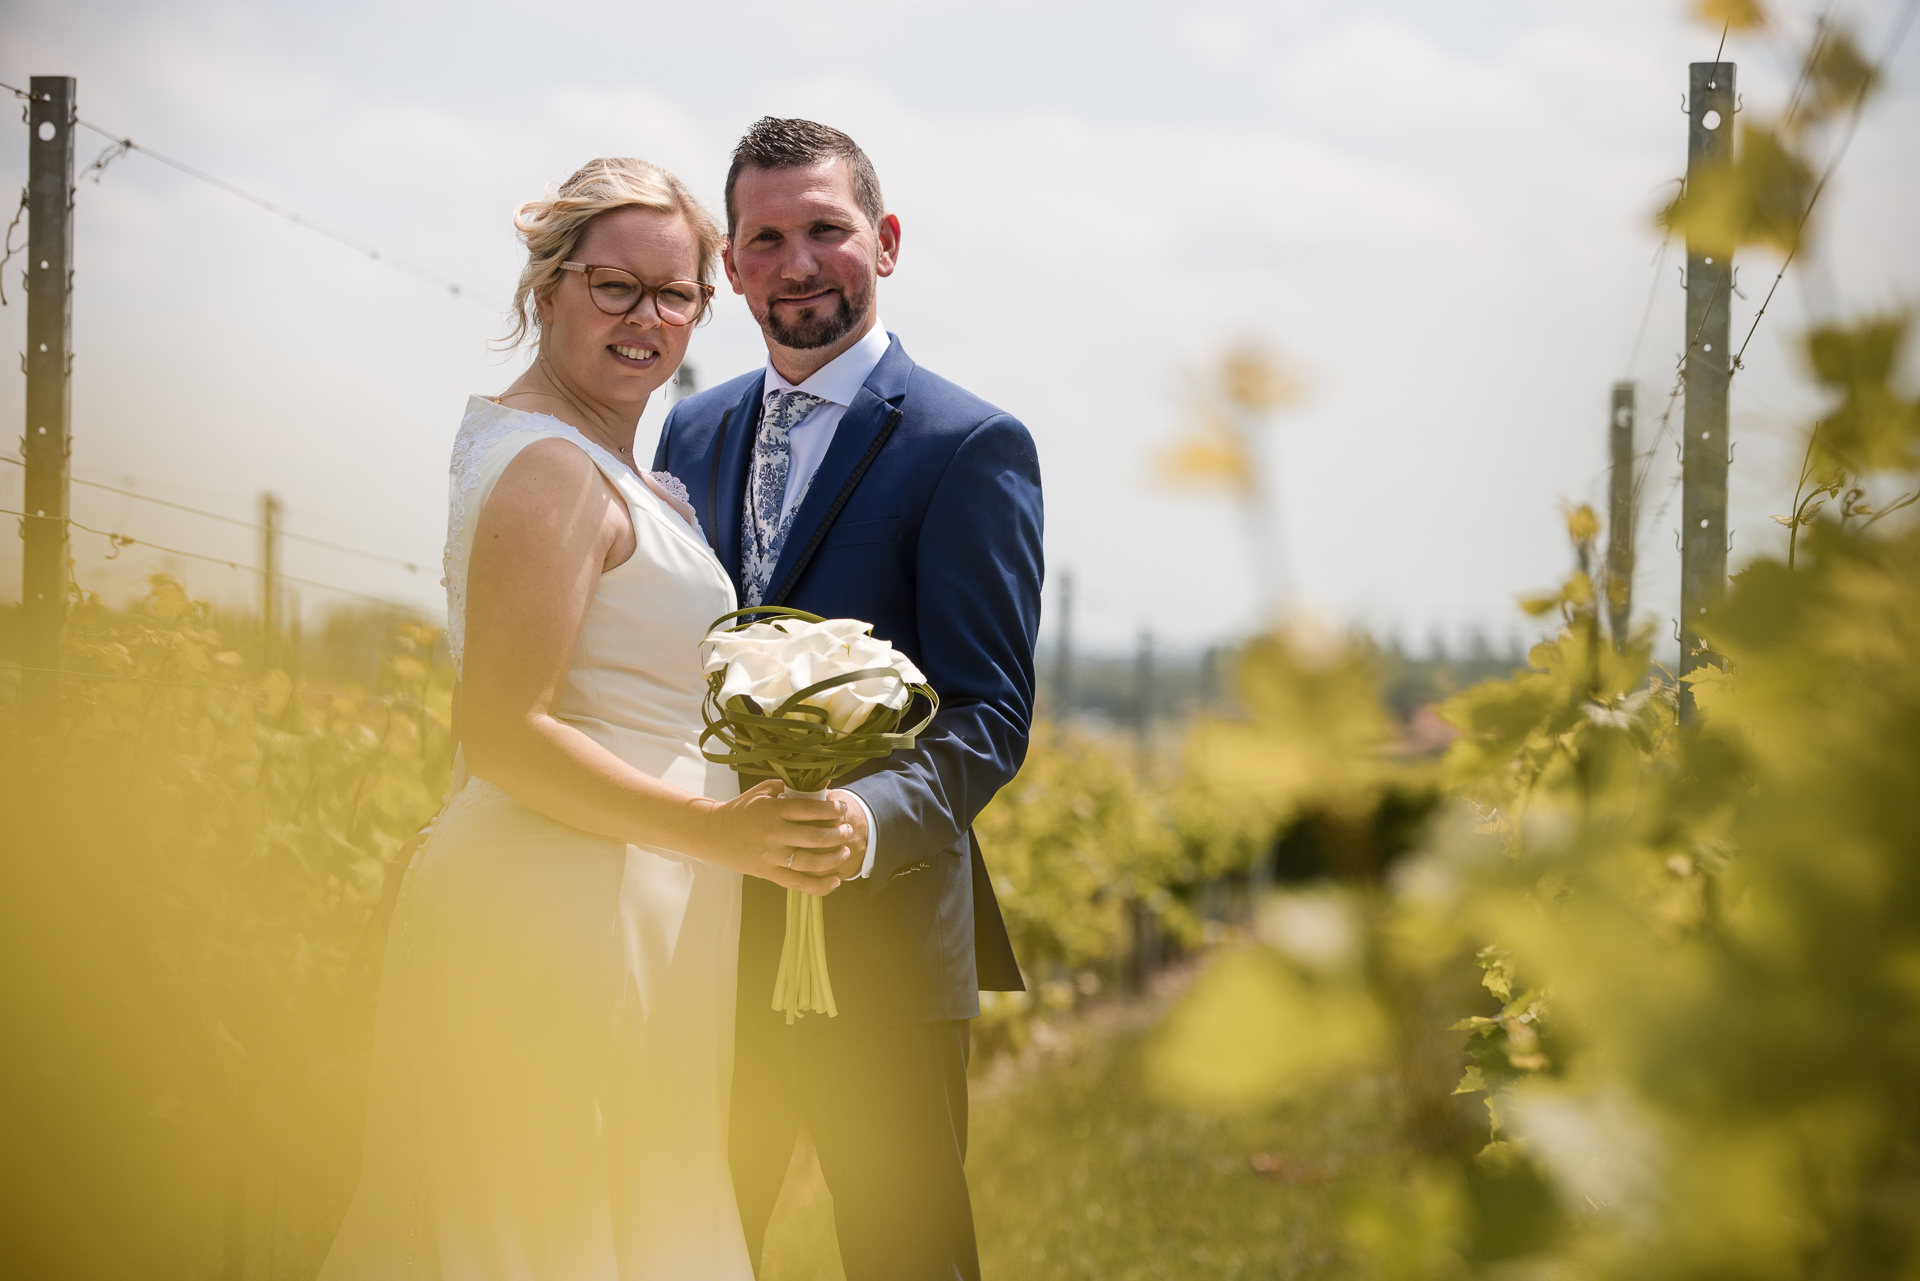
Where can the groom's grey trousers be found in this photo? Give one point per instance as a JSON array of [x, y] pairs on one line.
[[887, 1110]]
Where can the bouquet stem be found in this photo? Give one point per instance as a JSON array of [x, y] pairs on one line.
[[802, 985]]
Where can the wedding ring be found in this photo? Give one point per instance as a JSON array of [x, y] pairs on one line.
[[790, 857]]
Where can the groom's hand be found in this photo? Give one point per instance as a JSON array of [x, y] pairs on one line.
[[854, 815], [796, 843]]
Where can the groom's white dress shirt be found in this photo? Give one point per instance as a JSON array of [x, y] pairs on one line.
[[836, 383]]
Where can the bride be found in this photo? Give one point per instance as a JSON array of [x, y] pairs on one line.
[[555, 1035]]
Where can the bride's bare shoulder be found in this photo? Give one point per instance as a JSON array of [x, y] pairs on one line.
[[553, 501], [552, 468]]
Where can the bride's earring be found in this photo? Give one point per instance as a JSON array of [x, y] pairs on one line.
[[676, 377]]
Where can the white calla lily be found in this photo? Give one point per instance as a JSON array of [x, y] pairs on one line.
[[769, 662]]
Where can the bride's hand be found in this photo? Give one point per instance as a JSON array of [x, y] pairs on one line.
[[798, 844]]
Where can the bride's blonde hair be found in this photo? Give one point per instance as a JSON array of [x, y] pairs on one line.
[[551, 227]]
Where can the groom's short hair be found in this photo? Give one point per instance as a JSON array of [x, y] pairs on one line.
[[773, 143]]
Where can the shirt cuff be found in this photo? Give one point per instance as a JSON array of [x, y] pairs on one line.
[[873, 837]]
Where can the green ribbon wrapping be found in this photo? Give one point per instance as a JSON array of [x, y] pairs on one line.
[[794, 743]]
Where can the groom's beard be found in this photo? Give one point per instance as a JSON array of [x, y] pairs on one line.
[[821, 325]]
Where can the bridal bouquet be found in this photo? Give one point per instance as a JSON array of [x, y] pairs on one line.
[[805, 699]]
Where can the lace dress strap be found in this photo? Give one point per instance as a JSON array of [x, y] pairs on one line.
[[476, 462]]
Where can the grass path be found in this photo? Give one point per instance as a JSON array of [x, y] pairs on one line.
[[1078, 1172]]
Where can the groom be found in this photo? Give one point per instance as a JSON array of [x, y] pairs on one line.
[[845, 480]]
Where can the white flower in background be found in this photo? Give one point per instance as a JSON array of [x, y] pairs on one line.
[[1317, 930], [1600, 1147], [1622, 713], [769, 661]]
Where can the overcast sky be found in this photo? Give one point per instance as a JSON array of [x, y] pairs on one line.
[[1442, 213]]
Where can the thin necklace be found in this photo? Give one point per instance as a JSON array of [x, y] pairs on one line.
[[566, 398]]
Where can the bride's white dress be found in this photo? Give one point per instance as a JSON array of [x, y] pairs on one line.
[[554, 1042]]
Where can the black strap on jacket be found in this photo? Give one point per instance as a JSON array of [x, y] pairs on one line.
[[713, 482], [839, 501]]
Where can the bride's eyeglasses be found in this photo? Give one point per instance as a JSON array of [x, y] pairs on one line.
[[617, 292]]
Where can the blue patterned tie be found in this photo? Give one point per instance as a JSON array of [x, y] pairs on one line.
[[762, 531]]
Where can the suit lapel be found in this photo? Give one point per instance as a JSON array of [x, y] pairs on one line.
[[863, 429], [730, 484]]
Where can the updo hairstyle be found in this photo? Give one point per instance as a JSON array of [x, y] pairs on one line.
[[552, 226]]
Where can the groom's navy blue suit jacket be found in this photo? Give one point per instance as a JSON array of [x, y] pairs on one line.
[[924, 519]]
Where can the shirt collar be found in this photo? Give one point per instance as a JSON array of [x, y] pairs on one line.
[[840, 379]]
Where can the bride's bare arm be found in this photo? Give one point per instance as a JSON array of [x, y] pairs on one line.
[[548, 531]]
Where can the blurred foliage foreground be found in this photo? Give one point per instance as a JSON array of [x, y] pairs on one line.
[[190, 942], [1695, 1046], [1697, 1035]]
